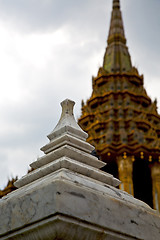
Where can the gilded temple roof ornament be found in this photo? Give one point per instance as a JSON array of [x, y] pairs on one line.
[[129, 120], [119, 97], [117, 57]]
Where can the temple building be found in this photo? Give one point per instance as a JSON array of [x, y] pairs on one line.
[[9, 187], [122, 121]]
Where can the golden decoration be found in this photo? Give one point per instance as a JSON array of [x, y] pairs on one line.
[[142, 155], [133, 159], [124, 155], [150, 158]]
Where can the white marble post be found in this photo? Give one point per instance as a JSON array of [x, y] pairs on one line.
[[67, 196]]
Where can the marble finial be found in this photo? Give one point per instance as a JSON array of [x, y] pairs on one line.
[[67, 122], [67, 196], [67, 150], [67, 108]]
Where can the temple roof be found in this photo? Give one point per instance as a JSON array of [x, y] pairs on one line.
[[117, 57], [120, 116], [9, 188]]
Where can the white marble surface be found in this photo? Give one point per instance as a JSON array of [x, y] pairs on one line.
[[70, 152], [68, 163], [67, 123], [82, 199], [50, 229], [70, 140], [68, 197], [68, 149]]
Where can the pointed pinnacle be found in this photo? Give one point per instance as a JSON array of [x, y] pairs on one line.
[[116, 4]]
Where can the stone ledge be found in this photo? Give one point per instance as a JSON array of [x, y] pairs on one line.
[[68, 163], [73, 195], [67, 139], [64, 227], [70, 152]]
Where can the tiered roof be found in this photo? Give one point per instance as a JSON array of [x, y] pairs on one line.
[[66, 151], [120, 117], [9, 188]]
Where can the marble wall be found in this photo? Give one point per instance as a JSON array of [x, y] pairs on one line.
[[67, 196]]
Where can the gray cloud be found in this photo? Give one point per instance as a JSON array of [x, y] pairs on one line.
[[50, 14], [67, 72]]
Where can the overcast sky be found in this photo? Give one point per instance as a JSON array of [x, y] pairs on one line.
[[49, 50]]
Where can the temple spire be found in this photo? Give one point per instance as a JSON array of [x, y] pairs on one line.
[[116, 4], [122, 121], [116, 32], [116, 58]]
